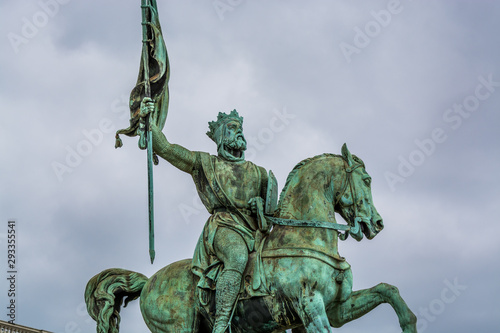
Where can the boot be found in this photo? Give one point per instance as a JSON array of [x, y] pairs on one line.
[[227, 290]]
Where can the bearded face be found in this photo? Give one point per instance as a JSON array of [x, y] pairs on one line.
[[232, 144]]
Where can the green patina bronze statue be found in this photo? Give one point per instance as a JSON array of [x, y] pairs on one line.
[[260, 265], [231, 189]]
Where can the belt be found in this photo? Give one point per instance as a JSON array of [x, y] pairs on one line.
[[224, 209]]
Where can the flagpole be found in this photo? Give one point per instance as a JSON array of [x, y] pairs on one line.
[[145, 6]]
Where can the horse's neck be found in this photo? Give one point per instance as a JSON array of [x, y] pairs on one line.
[[310, 197], [310, 194]]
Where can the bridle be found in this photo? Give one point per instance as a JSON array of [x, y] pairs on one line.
[[350, 183], [353, 228]]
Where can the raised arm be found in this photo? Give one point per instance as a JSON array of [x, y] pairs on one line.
[[178, 156]]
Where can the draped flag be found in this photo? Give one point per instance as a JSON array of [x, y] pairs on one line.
[[159, 74], [152, 82]]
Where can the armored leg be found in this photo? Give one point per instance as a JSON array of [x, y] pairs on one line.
[[232, 250], [228, 287]]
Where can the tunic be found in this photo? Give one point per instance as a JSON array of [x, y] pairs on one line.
[[224, 188]]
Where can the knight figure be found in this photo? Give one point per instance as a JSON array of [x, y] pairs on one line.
[[233, 191]]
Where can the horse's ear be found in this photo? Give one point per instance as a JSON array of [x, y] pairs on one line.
[[347, 155]]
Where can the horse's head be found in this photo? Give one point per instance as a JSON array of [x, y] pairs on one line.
[[354, 202]]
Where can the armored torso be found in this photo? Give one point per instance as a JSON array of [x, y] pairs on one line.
[[240, 181], [224, 187], [219, 182]]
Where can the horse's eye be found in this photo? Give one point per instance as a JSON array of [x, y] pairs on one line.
[[368, 181]]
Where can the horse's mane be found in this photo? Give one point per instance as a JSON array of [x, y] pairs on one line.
[[296, 170]]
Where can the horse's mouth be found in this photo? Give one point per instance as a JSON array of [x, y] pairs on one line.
[[373, 228], [356, 230], [368, 229]]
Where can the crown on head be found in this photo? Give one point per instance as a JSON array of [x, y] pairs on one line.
[[222, 119]]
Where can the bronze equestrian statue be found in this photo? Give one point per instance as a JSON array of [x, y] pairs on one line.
[[297, 279], [260, 265]]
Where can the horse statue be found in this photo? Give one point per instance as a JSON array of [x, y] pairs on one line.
[[308, 284]]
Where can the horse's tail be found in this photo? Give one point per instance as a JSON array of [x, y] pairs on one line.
[[106, 292]]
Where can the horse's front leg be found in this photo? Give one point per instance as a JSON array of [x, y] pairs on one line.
[[363, 301], [311, 310]]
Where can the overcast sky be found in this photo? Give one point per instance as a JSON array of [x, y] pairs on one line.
[[413, 88]]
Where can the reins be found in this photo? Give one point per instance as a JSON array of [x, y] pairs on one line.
[[330, 225]]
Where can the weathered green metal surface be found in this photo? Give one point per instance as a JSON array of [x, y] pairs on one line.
[[272, 194], [147, 94], [309, 284], [251, 272], [152, 84], [310, 224]]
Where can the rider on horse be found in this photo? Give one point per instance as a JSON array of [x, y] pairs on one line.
[[231, 189]]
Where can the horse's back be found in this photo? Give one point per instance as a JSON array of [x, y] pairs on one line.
[[168, 299]]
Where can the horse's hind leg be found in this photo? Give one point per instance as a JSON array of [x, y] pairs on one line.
[[363, 301], [311, 310]]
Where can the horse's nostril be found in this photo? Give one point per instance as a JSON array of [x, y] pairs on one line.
[[380, 224]]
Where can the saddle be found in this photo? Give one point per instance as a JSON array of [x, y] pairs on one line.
[[254, 283]]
